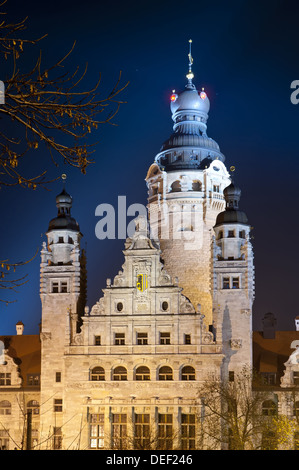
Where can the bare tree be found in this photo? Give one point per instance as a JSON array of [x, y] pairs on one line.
[[47, 108]]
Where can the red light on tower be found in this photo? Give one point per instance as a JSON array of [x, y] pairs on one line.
[[173, 96], [203, 95]]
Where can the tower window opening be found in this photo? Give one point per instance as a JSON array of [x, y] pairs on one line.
[[97, 340], [231, 234], [60, 240], [236, 283], [220, 235], [63, 287], [242, 234], [55, 287], [225, 283], [119, 306], [164, 306], [70, 240], [216, 188]]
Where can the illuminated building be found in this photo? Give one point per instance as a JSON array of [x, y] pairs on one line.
[[125, 373]]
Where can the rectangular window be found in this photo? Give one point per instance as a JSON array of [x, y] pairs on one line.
[[119, 339], [231, 376], [296, 378], [96, 431], [57, 438], [216, 188], [60, 240], [187, 339], [188, 431], [97, 341], [142, 431], [165, 431], [119, 431], [55, 287], [63, 287], [268, 378], [225, 283], [58, 377], [142, 338], [242, 234], [5, 378], [164, 338], [4, 439], [231, 234], [33, 380], [57, 405], [236, 283]]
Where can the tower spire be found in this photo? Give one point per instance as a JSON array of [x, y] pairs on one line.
[[190, 74]]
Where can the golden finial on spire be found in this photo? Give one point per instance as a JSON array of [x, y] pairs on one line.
[[190, 74]]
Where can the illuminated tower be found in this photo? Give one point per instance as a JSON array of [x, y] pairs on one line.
[[233, 283], [61, 298], [185, 194]]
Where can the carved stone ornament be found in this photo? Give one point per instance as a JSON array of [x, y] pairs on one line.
[[236, 343]]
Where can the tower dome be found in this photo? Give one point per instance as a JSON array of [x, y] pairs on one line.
[[189, 145], [63, 221], [232, 214]]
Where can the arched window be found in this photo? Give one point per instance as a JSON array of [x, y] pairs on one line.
[[175, 187], [142, 373], [188, 373], [196, 185], [120, 373], [165, 373], [269, 408], [33, 407], [5, 407], [97, 373]]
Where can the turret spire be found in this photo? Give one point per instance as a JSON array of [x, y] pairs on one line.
[[190, 74]]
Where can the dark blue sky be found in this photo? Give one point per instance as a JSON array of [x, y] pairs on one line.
[[245, 56]]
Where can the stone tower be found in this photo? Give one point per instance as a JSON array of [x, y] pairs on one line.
[[185, 194], [60, 292], [233, 283]]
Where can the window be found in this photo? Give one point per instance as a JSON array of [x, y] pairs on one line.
[[33, 380], [164, 306], [33, 407], [164, 338], [231, 234], [96, 431], [220, 235], [196, 185], [296, 377], [60, 240], [142, 431], [70, 240], [187, 339], [5, 407], [57, 405], [97, 341], [119, 431], [142, 338], [63, 288], [165, 431], [188, 373], [55, 287], [235, 283], [97, 374], [242, 234], [231, 376], [165, 373], [58, 377], [57, 438], [119, 306], [119, 373], [225, 283], [59, 287], [268, 378], [269, 408], [188, 431], [4, 439], [216, 188], [142, 373], [5, 378], [296, 409], [119, 339]]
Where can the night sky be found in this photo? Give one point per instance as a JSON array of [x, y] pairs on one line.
[[245, 56]]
